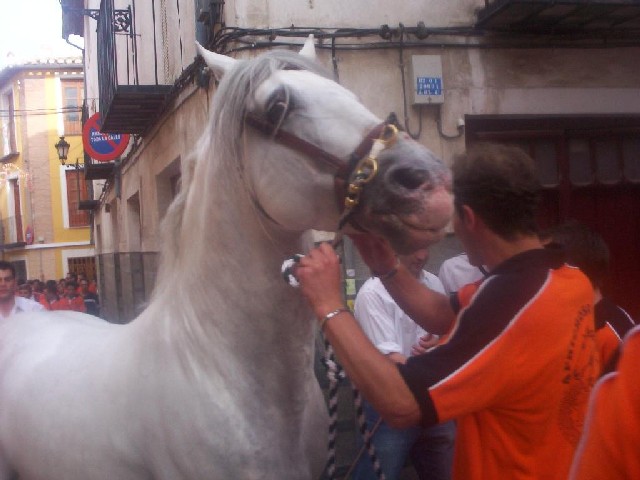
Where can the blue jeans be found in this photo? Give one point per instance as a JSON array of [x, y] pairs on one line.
[[431, 449], [432, 453]]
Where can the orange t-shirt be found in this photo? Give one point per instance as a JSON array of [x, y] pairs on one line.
[[46, 304], [516, 371], [612, 324], [610, 446], [65, 303]]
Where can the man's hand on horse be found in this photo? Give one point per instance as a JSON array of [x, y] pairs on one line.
[[376, 253], [319, 275]]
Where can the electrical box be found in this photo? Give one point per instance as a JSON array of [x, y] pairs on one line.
[[426, 74]]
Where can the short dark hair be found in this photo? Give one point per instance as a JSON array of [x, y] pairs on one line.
[[4, 265], [499, 183], [51, 286], [584, 248]]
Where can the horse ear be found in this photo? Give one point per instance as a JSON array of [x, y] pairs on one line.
[[219, 64], [309, 48]]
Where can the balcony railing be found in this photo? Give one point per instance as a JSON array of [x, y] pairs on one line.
[[131, 97], [610, 17]]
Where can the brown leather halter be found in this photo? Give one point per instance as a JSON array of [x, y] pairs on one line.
[[350, 175]]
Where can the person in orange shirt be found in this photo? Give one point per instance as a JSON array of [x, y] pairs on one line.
[[92, 287], [609, 448], [71, 299], [520, 358], [50, 297], [588, 251]]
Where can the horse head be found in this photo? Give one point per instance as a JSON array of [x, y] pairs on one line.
[[304, 136]]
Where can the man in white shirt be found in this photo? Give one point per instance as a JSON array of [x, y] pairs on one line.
[[396, 335], [10, 303], [456, 272]]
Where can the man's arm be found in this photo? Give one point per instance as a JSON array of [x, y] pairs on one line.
[[375, 375], [429, 309]]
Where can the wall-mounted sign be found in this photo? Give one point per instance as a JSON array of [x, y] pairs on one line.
[[102, 147]]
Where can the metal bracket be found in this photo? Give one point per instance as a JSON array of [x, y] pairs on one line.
[[121, 18]]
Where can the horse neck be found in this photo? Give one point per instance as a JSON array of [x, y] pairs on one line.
[[226, 297]]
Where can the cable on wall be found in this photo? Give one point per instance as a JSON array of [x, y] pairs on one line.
[[415, 136]]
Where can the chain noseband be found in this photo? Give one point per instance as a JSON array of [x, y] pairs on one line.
[[365, 169]]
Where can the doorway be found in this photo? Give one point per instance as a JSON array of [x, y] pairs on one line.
[[590, 171]]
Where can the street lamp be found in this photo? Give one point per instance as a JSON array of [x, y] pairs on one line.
[[62, 148]]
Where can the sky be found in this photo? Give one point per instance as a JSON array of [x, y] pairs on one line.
[[32, 29]]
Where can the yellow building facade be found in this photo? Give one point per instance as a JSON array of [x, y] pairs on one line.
[[43, 231]]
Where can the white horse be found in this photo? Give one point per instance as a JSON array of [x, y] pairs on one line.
[[214, 379]]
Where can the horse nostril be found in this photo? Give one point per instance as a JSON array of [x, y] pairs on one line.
[[409, 178]]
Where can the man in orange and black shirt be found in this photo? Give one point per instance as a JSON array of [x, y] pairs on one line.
[[520, 359]]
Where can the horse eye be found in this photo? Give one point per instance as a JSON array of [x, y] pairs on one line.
[[278, 106]]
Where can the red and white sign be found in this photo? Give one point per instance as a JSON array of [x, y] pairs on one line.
[[102, 147]]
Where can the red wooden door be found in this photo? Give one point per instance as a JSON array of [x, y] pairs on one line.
[[590, 168]]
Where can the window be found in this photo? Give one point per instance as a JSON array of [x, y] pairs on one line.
[[17, 209], [7, 117], [21, 270], [72, 95], [86, 265], [76, 191], [167, 186], [134, 223]]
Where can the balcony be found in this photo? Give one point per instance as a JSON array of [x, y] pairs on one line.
[[609, 17], [98, 170], [131, 94], [131, 97], [88, 204]]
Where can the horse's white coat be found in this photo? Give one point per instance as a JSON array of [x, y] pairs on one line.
[[214, 379]]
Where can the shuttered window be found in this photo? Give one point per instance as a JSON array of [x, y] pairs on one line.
[[76, 190], [72, 94]]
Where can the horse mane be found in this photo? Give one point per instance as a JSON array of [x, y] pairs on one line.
[[230, 100], [221, 141]]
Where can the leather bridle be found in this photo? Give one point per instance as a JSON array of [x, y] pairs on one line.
[[350, 176]]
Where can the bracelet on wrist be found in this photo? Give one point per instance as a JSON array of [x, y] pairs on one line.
[[330, 315], [389, 274]]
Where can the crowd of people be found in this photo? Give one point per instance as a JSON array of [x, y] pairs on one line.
[[74, 292]]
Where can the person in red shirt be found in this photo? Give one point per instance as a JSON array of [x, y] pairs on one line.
[[71, 299], [520, 357]]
